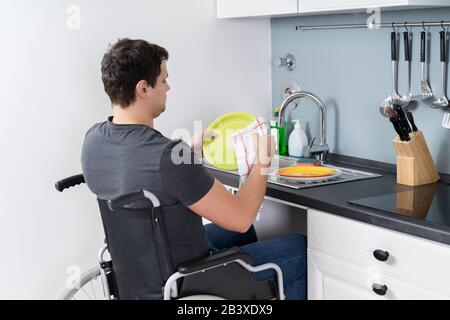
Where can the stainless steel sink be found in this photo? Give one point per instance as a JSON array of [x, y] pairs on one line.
[[283, 161]]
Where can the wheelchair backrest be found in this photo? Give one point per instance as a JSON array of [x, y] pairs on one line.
[[137, 241]]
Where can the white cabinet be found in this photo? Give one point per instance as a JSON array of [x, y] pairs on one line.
[[342, 265], [252, 8], [330, 278], [336, 6]]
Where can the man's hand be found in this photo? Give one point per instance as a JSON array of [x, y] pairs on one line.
[[196, 142], [265, 149]]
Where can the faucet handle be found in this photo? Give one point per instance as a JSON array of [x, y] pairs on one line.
[[318, 148], [307, 152], [311, 142]]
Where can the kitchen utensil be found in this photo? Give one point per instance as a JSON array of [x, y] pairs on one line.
[[394, 118], [394, 97], [407, 41], [410, 117], [443, 101], [309, 179], [446, 120], [386, 107], [219, 152], [402, 119], [395, 123], [424, 86]]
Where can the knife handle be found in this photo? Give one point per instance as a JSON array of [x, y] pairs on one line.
[[396, 124], [411, 120], [442, 36], [402, 121]]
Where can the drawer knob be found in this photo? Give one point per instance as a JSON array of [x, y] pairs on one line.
[[381, 255], [379, 289]]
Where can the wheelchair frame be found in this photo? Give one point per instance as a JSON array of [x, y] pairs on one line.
[[170, 289]]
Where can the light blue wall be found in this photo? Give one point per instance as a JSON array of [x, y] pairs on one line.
[[350, 70]]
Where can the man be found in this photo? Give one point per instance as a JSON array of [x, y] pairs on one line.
[[126, 153]]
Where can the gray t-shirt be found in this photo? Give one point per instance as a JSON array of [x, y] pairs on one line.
[[117, 159]]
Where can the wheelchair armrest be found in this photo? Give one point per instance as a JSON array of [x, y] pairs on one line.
[[220, 275], [213, 261]]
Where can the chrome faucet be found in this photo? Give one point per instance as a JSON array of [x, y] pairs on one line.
[[321, 150]]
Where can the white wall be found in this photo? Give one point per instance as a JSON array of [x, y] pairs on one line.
[[51, 93]]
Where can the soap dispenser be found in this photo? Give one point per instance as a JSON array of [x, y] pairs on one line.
[[298, 141]]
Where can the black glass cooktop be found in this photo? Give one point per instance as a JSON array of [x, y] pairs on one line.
[[430, 203]]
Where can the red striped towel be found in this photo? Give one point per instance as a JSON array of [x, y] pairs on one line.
[[244, 145]]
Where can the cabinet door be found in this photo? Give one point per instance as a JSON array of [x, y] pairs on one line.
[[330, 278], [420, 262], [249, 8], [330, 5]]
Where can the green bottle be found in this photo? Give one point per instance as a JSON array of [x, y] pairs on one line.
[[279, 134]]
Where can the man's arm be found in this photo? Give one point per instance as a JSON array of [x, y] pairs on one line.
[[237, 212]]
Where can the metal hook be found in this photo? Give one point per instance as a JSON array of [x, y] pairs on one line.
[[393, 28], [442, 25], [404, 24], [423, 26]]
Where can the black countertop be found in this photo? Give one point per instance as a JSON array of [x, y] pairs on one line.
[[334, 199]]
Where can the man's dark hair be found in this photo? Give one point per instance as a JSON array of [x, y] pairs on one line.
[[126, 63]]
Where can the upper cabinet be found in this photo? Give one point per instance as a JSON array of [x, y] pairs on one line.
[[336, 6], [255, 8]]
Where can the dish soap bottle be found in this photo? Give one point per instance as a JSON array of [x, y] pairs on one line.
[[279, 135], [298, 141], [274, 129]]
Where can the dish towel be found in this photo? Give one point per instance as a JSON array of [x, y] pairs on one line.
[[244, 147]]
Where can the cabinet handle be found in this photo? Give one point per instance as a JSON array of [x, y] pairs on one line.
[[381, 255], [379, 289]]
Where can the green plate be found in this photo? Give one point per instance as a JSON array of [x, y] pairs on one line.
[[219, 151]]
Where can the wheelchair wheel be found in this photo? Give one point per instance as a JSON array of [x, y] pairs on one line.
[[91, 287]]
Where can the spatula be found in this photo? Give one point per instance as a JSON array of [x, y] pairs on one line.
[[425, 87]]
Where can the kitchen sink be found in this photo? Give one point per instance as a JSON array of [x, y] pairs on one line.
[[346, 176], [283, 161]]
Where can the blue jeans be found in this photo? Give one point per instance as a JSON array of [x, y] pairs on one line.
[[288, 252]]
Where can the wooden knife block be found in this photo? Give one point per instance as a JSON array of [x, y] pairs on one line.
[[415, 165]]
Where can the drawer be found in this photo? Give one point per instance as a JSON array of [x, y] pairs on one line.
[[420, 262], [330, 278]]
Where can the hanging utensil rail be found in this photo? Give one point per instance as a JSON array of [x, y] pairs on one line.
[[373, 26]]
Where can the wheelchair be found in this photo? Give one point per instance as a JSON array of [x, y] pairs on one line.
[[139, 264]]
